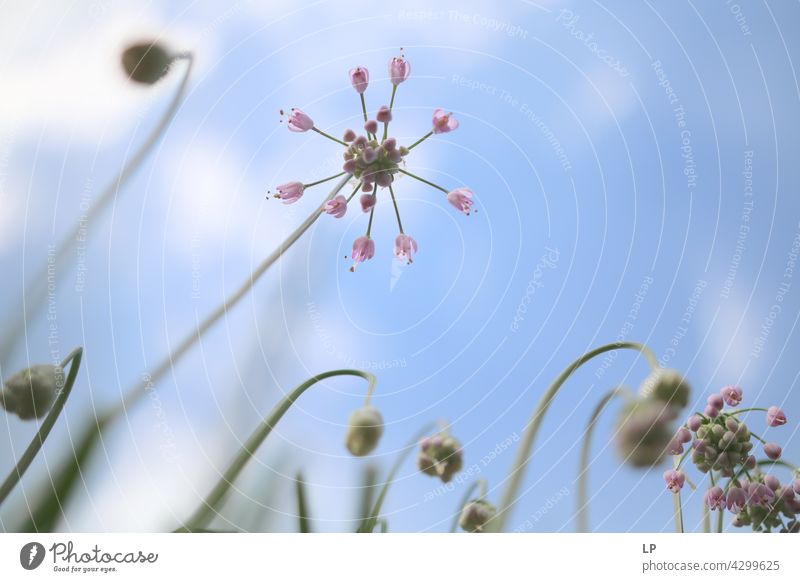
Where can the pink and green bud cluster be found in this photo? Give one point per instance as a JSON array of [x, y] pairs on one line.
[[475, 515], [440, 456]]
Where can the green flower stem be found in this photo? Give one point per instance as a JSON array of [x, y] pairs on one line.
[[391, 105], [396, 210], [706, 519], [302, 504], [423, 180], [369, 225], [353, 193], [480, 485], [582, 501], [339, 175], [758, 438], [363, 106], [735, 412], [35, 296], [138, 390], [779, 463], [677, 506], [330, 137], [259, 435], [526, 446], [420, 140], [369, 524], [74, 361]]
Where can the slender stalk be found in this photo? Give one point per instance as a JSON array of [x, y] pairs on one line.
[[353, 193], [259, 435], [391, 104], [74, 361], [34, 297], [582, 501], [302, 504], [363, 106], [423, 180], [677, 506], [173, 357], [420, 140], [369, 225], [479, 484], [339, 175], [396, 210], [330, 137], [706, 519], [369, 524], [742, 410], [526, 446]]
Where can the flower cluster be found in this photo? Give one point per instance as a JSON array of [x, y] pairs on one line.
[[475, 515], [373, 161], [440, 456], [722, 445], [645, 428]]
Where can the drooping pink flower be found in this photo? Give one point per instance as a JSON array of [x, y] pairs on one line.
[[363, 250], [367, 202], [736, 499], [775, 416], [443, 122], [461, 199], [359, 77], [674, 447], [759, 494], [299, 121], [732, 395], [384, 114], [714, 498], [773, 451], [290, 192], [674, 480], [336, 207], [399, 70], [772, 482], [405, 247]]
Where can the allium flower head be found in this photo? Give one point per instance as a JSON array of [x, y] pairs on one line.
[[443, 122], [373, 160], [674, 480], [775, 416], [440, 456], [475, 515], [30, 393]]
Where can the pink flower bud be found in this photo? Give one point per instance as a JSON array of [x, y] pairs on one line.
[[683, 435], [359, 77], [674, 480], [716, 401], [299, 121], [369, 155], [367, 202], [337, 206], [443, 122], [389, 144], [674, 447], [772, 450], [290, 192], [399, 70], [384, 115], [384, 179], [732, 395], [461, 199], [363, 250], [714, 498], [349, 135], [694, 422], [772, 482], [371, 126], [405, 247], [710, 411], [775, 416], [349, 166]]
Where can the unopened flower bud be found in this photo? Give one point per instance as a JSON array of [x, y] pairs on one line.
[[694, 422], [711, 412], [384, 114], [716, 401], [683, 435], [440, 456], [772, 482], [371, 126], [475, 515], [666, 385], [644, 432], [146, 62], [31, 392], [349, 135], [772, 450], [364, 430], [359, 78]]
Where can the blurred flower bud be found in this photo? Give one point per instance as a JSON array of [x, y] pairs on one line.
[[773, 451], [772, 482], [475, 515], [146, 62], [31, 393], [440, 456], [694, 422], [666, 385], [644, 432], [364, 430]]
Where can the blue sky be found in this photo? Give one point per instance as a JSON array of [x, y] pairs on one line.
[[606, 142]]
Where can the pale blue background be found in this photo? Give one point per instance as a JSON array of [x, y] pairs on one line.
[[620, 212]]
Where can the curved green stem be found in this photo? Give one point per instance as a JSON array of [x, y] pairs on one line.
[[330, 137], [735, 412], [479, 484], [391, 105], [423, 180], [582, 501], [339, 175], [259, 435], [420, 140], [302, 504], [47, 425], [526, 446], [396, 210], [35, 297], [778, 462], [369, 524]]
